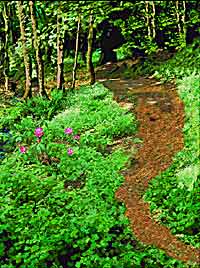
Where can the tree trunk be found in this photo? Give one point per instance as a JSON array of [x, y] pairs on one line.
[[25, 50], [183, 20], [37, 51], [178, 17], [60, 52], [76, 52], [153, 20], [14, 34], [148, 19], [6, 47], [90, 66]]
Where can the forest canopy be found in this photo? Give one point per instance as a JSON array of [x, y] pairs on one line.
[[37, 37]]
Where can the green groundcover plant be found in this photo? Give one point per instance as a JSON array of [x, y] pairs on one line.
[[184, 63], [174, 194], [58, 183]]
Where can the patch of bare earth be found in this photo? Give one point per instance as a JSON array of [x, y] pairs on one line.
[[160, 113]]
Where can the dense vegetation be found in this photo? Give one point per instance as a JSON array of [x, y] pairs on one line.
[[62, 201], [59, 164], [179, 185], [39, 39], [58, 206]]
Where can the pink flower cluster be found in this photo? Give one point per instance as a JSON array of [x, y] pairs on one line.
[[22, 149], [70, 151], [39, 133], [68, 131], [76, 137]]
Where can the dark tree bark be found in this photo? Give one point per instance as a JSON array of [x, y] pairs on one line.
[[90, 66], [25, 50], [111, 39], [76, 52]]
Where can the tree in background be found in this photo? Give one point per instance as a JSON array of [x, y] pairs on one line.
[[153, 19], [36, 44], [60, 47], [6, 46], [25, 50], [184, 23], [90, 66], [76, 50], [147, 18], [44, 42]]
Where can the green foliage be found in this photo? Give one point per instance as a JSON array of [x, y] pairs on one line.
[[184, 63], [20, 118], [96, 56], [173, 195], [52, 215], [133, 19], [93, 117], [60, 210], [36, 107], [125, 51]]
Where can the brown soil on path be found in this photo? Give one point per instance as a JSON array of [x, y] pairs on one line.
[[161, 118]]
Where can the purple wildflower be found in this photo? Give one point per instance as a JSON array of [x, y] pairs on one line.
[[76, 137], [39, 132], [68, 131], [22, 149], [70, 151]]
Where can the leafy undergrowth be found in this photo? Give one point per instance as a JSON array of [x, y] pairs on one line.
[[185, 63], [174, 194], [164, 66], [18, 119], [58, 206]]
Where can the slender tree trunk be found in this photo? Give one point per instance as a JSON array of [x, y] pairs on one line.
[[11, 48], [148, 19], [25, 50], [90, 66], [11, 35], [60, 52], [6, 47], [183, 20], [14, 35], [76, 52], [37, 51], [178, 17], [153, 20]]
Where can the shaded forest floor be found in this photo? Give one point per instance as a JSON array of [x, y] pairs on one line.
[[160, 113]]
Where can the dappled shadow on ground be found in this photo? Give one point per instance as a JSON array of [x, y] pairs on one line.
[[161, 117]]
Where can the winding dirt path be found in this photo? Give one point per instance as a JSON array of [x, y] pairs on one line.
[[161, 117]]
